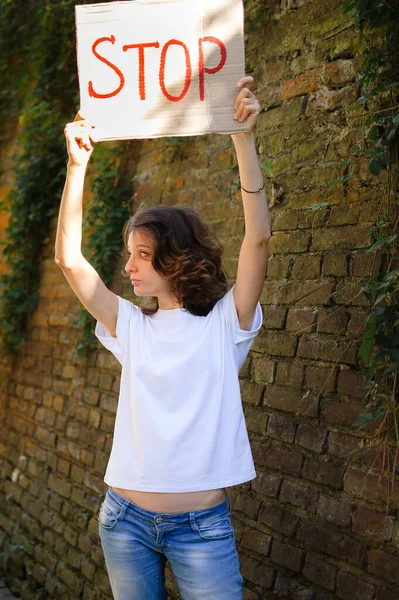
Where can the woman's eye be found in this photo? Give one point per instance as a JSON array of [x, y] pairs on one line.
[[146, 253]]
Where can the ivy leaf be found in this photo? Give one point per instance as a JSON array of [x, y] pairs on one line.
[[267, 167], [374, 166], [363, 420], [368, 341], [381, 242]]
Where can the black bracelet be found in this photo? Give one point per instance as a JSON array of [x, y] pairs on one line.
[[255, 192]]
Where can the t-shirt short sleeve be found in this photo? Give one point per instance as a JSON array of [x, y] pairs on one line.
[[242, 338], [116, 345]]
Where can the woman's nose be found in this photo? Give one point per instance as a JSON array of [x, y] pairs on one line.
[[130, 266]]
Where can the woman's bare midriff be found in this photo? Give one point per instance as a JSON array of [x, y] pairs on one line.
[[173, 503]]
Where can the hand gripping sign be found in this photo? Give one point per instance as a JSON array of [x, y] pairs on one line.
[[152, 68]]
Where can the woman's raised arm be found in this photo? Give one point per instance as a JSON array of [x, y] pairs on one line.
[[81, 276], [254, 252]]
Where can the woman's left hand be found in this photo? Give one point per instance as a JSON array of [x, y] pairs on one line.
[[246, 106]]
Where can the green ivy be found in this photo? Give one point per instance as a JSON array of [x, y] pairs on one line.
[[377, 24], [39, 95]]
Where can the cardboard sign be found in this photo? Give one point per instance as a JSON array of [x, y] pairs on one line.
[[152, 68]]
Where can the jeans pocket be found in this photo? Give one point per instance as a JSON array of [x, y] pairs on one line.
[[215, 529], [110, 513]]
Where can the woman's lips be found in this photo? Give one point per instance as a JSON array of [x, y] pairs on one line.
[[135, 281]]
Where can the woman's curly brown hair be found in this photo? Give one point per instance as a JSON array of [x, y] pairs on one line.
[[186, 253]]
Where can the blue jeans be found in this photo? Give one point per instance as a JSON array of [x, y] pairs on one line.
[[200, 546]]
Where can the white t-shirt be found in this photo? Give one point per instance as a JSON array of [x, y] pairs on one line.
[[179, 425]]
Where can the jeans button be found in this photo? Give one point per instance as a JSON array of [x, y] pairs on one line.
[[159, 519]]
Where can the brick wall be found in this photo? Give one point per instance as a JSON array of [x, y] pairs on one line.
[[310, 526]]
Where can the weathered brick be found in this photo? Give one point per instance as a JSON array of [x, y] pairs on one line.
[[247, 505], [326, 349], [306, 293], [289, 588], [270, 292], [352, 383], [100, 464], [313, 217], [370, 487], [274, 317], [384, 565], [255, 418], [320, 572], [306, 266], [256, 572], [357, 323], [321, 378], [74, 582], [266, 483], [338, 73], [62, 487], [279, 519], [350, 293], [308, 149], [278, 267], [332, 543], [344, 238], [107, 423], [285, 220], [371, 524], [74, 559], [256, 540], [94, 483], [94, 418], [290, 400], [263, 370], [281, 428], [361, 265], [251, 393], [350, 587], [335, 265], [109, 403], [274, 457], [340, 412], [296, 242], [277, 344], [68, 447], [88, 571], [301, 320], [44, 436], [341, 444], [332, 320], [290, 374], [77, 474], [63, 467], [73, 430], [334, 510], [385, 594], [323, 472], [287, 555], [299, 495], [311, 437], [305, 83]]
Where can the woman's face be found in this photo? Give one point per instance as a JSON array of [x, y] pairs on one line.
[[144, 278]]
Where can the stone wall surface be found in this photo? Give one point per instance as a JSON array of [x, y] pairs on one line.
[[311, 526]]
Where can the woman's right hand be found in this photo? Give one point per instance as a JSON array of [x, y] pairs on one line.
[[80, 139]]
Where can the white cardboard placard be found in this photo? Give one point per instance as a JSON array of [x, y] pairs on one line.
[[153, 68]]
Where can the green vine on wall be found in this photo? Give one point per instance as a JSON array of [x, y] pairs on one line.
[[39, 160], [377, 24], [39, 82]]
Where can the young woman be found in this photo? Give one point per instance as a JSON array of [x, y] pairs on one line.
[[180, 438]]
